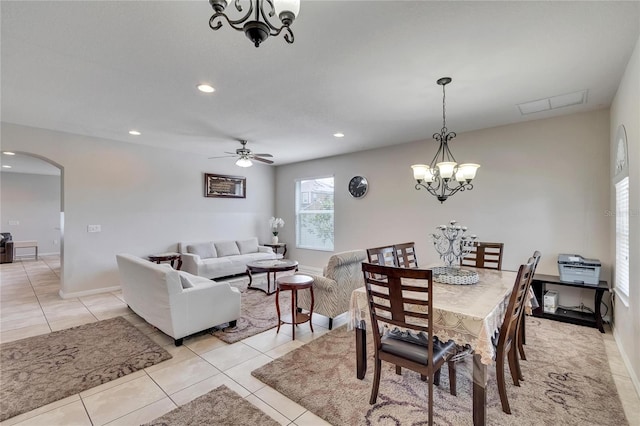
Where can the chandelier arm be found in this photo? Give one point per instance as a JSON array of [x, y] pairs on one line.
[[275, 31], [239, 6], [233, 23]]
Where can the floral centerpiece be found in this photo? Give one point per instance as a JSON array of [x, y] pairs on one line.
[[274, 224]]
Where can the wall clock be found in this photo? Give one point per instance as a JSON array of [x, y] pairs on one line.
[[358, 186]]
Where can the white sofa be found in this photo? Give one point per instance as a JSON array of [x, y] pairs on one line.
[[215, 259], [176, 302]]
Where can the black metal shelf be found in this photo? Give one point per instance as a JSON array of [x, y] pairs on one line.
[[565, 315]]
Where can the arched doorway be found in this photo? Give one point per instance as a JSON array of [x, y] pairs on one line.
[[32, 200]]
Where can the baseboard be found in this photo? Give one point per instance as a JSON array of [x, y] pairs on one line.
[[87, 292], [627, 363]]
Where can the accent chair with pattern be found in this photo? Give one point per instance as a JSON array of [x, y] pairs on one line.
[[332, 291]]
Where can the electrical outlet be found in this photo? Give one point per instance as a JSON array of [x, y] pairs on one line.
[[14, 222], [94, 228]]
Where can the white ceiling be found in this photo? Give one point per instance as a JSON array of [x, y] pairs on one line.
[[365, 68]]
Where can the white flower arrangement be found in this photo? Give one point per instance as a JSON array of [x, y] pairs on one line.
[[274, 224]]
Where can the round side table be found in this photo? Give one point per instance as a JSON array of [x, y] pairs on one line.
[[167, 257], [294, 283]]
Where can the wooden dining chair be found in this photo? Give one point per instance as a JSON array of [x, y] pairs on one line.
[[507, 337], [484, 255], [384, 255], [411, 344], [406, 255], [521, 323]]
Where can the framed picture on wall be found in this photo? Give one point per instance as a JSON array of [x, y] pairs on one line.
[[224, 186]]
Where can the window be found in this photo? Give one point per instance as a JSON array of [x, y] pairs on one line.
[[622, 238], [314, 213]]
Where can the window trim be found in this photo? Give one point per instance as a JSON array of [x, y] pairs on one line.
[[311, 199]]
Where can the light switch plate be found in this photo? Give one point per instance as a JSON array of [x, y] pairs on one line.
[[94, 228]]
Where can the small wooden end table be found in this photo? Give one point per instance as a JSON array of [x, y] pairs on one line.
[[270, 266], [167, 257], [277, 247], [294, 283]]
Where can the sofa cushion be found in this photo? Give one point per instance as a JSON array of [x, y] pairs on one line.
[[248, 246], [204, 250], [226, 248]]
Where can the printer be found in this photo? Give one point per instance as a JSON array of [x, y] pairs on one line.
[[574, 268]]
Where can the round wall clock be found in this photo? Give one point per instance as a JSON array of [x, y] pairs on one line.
[[358, 186]]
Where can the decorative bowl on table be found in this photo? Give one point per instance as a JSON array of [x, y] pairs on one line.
[[457, 276]]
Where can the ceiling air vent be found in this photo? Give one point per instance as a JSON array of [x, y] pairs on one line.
[[553, 102]]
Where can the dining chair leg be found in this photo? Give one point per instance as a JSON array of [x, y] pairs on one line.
[[451, 365], [423, 377], [376, 381], [398, 370], [501, 383], [514, 365], [521, 338]]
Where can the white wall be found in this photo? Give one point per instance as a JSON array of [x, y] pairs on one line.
[[34, 202], [625, 110], [543, 185], [145, 199]]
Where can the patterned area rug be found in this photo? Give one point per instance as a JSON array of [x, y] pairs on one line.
[[221, 406], [42, 369], [567, 382], [258, 311]]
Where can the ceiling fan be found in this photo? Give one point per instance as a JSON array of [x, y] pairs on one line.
[[245, 155]]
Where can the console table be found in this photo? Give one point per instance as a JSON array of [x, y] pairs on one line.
[[25, 244], [539, 282]]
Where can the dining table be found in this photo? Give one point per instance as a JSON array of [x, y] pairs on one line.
[[467, 314]]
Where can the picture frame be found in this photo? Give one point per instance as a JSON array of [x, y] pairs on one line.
[[225, 186]]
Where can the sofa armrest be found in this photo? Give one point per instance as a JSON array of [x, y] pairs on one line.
[[323, 283], [190, 263], [265, 249]]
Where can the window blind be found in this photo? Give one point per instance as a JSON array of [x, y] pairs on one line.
[[622, 237]]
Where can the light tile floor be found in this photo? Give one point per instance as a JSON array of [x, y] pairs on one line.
[[30, 305]]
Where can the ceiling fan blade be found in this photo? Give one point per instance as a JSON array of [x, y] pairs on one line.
[[264, 160], [262, 155], [222, 156], [232, 153]]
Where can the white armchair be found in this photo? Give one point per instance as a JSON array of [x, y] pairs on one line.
[[176, 302], [332, 292]]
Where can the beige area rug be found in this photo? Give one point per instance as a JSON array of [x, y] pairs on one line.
[[258, 310], [221, 406], [567, 382], [42, 369]]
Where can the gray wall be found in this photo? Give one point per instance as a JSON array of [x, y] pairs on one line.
[[145, 199], [625, 110], [34, 202]]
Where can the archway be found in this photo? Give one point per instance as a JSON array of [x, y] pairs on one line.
[[30, 185]]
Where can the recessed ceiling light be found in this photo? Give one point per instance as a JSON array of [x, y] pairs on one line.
[[134, 132], [339, 135], [6, 166], [9, 153], [206, 88]]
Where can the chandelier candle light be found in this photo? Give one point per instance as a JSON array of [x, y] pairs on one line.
[[255, 22], [275, 223], [444, 177]]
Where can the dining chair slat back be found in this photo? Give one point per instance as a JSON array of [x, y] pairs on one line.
[[507, 339], [406, 255], [412, 345], [484, 255], [384, 255], [521, 324]]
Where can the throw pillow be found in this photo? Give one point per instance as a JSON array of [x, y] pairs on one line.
[[226, 248], [248, 246], [204, 250], [185, 281]]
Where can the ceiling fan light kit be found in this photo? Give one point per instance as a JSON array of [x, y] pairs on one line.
[[438, 177], [256, 23]]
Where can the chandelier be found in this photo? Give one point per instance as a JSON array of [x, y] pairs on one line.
[[443, 177], [257, 26]]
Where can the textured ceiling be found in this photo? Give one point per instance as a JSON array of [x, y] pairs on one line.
[[365, 68]]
